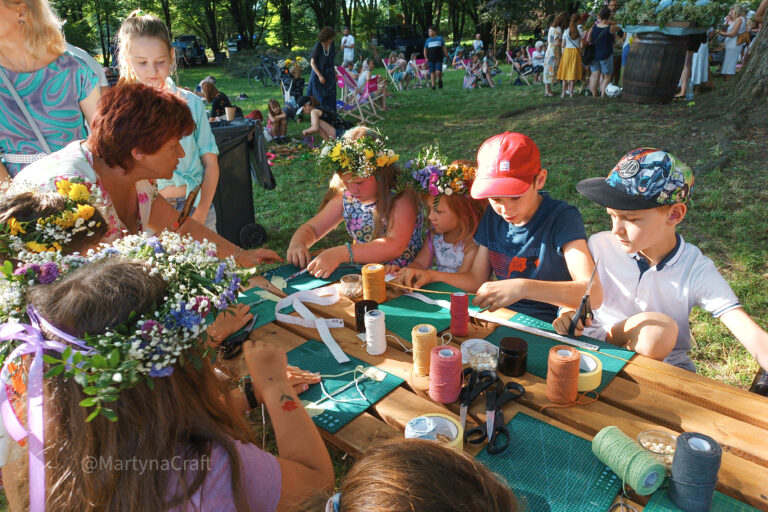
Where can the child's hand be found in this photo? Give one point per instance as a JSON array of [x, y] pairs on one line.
[[327, 261], [392, 269], [563, 322], [298, 255], [499, 294], [255, 256], [267, 366], [301, 379], [227, 323], [414, 277]]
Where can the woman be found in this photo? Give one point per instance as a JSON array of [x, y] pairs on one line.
[[322, 121], [602, 38], [32, 59], [552, 57], [322, 78], [732, 47], [218, 100], [381, 92], [570, 66], [134, 141]]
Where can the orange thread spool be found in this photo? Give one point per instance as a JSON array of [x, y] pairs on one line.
[[563, 374], [374, 286]]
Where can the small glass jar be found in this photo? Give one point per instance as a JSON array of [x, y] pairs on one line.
[[513, 356], [483, 356], [351, 285]]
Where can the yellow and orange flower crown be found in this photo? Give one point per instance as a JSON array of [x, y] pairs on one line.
[[361, 157]]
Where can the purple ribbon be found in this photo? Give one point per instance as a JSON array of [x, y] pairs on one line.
[[33, 343]]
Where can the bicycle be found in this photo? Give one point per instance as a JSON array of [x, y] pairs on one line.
[[266, 72]]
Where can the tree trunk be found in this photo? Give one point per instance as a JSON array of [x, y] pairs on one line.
[[325, 12], [109, 38], [166, 7], [345, 14], [286, 31], [104, 48], [752, 85]]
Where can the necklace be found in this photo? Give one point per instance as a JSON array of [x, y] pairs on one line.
[[326, 52]]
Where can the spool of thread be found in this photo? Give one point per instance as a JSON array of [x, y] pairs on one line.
[[563, 374], [436, 427], [375, 332], [459, 314], [361, 308], [694, 471], [445, 374], [635, 465], [374, 285], [423, 339]]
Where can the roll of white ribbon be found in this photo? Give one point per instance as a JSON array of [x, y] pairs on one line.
[[375, 332]]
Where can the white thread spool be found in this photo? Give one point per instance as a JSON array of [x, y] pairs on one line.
[[375, 332]]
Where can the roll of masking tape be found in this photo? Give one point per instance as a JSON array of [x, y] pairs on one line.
[[590, 372], [437, 427]]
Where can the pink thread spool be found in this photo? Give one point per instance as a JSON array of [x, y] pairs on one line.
[[459, 314], [445, 374]]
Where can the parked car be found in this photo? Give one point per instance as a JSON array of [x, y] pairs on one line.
[[401, 38], [192, 50]]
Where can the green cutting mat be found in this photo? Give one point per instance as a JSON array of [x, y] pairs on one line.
[[403, 313], [552, 470], [306, 281], [315, 357], [538, 349], [263, 311], [660, 502]]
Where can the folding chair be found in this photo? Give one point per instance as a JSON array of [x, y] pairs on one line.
[[520, 76], [391, 75], [360, 106]]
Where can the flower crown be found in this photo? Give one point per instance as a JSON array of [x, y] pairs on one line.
[[361, 157], [432, 176], [52, 232], [150, 345]]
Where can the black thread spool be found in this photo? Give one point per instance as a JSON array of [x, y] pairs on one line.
[[360, 309], [513, 356]]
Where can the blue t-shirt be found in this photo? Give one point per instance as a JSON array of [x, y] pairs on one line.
[[434, 46], [532, 251]]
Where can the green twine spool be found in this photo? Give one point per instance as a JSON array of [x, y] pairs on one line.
[[636, 466]]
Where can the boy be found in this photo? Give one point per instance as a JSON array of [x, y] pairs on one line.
[[434, 51], [646, 268], [535, 245]]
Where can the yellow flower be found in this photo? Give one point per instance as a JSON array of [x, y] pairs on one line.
[[56, 246], [369, 154], [79, 192], [85, 211], [382, 161], [63, 187], [15, 226], [393, 159], [36, 247]]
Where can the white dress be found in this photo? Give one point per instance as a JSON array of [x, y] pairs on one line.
[[700, 65], [732, 49]]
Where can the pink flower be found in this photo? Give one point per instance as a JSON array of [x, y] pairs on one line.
[[143, 198]]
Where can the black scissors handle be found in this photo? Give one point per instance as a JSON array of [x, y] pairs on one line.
[[505, 393], [584, 312], [475, 383], [498, 440]]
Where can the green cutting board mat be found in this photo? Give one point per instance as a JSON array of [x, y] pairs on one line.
[[403, 313], [538, 349], [306, 281], [660, 502], [315, 357], [551, 470], [263, 311]]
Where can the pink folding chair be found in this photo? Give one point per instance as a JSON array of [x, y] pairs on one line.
[[358, 106], [391, 75]]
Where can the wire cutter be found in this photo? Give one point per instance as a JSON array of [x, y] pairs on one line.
[[188, 205], [474, 384], [494, 429], [585, 308]]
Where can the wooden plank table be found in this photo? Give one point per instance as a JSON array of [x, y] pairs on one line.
[[647, 394]]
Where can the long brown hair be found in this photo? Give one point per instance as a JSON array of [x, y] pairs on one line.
[[414, 475], [209, 91], [573, 28], [561, 20], [182, 417]]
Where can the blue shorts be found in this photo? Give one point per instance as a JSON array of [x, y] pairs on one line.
[[210, 219], [435, 65], [604, 66]]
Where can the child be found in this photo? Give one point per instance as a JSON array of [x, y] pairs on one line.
[[384, 225], [203, 454], [458, 59], [570, 69], [538, 61], [453, 217], [277, 121], [414, 475], [535, 245], [323, 121], [146, 56], [651, 278], [413, 68], [218, 100], [521, 63]]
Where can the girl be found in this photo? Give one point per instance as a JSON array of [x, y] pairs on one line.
[[570, 65], [552, 56], [323, 121], [146, 56], [453, 217], [384, 224], [277, 121], [198, 453], [381, 92], [736, 27], [218, 100], [413, 68], [414, 475]]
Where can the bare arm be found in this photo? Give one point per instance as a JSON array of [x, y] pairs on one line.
[[208, 189], [423, 260], [88, 105], [735, 30], [749, 333], [469, 278], [4, 174], [314, 122], [313, 230], [317, 71], [760, 13]]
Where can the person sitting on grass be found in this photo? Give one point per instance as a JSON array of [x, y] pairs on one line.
[[396, 68], [535, 245], [218, 100], [416, 475], [490, 63], [323, 121], [651, 277], [458, 59], [479, 70], [383, 222], [277, 121]]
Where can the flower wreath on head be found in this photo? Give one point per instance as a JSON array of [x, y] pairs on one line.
[[361, 157], [431, 175]]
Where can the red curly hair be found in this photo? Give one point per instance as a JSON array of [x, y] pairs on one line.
[[135, 116]]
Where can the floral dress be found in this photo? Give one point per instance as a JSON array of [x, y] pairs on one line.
[[552, 57], [448, 257], [360, 223], [75, 161]]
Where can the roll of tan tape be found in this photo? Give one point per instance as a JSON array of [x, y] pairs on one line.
[[446, 429], [590, 372]]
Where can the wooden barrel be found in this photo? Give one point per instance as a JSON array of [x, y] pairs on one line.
[[654, 65]]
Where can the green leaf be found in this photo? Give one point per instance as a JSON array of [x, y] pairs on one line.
[[81, 379], [109, 414], [54, 371], [67, 354], [91, 390], [51, 360], [150, 383], [89, 402], [77, 357], [98, 361], [93, 414], [8, 268], [114, 358], [109, 398]]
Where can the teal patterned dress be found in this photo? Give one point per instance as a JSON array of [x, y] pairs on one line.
[[360, 224], [52, 95]]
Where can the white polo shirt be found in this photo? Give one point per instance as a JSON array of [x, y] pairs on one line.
[[683, 279]]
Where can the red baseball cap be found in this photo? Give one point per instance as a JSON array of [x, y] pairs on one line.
[[506, 166]]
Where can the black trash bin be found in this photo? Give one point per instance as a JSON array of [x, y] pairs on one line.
[[242, 158]]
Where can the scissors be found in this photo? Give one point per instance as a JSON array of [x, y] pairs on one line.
[[494, 429], [188, 204], [474, 383], [232, 345], [585, 308]]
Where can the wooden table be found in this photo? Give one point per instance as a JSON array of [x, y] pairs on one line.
[[647, 394]]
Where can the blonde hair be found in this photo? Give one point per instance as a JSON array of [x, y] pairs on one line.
[[738, 10], [42, 28], [136, 25]]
